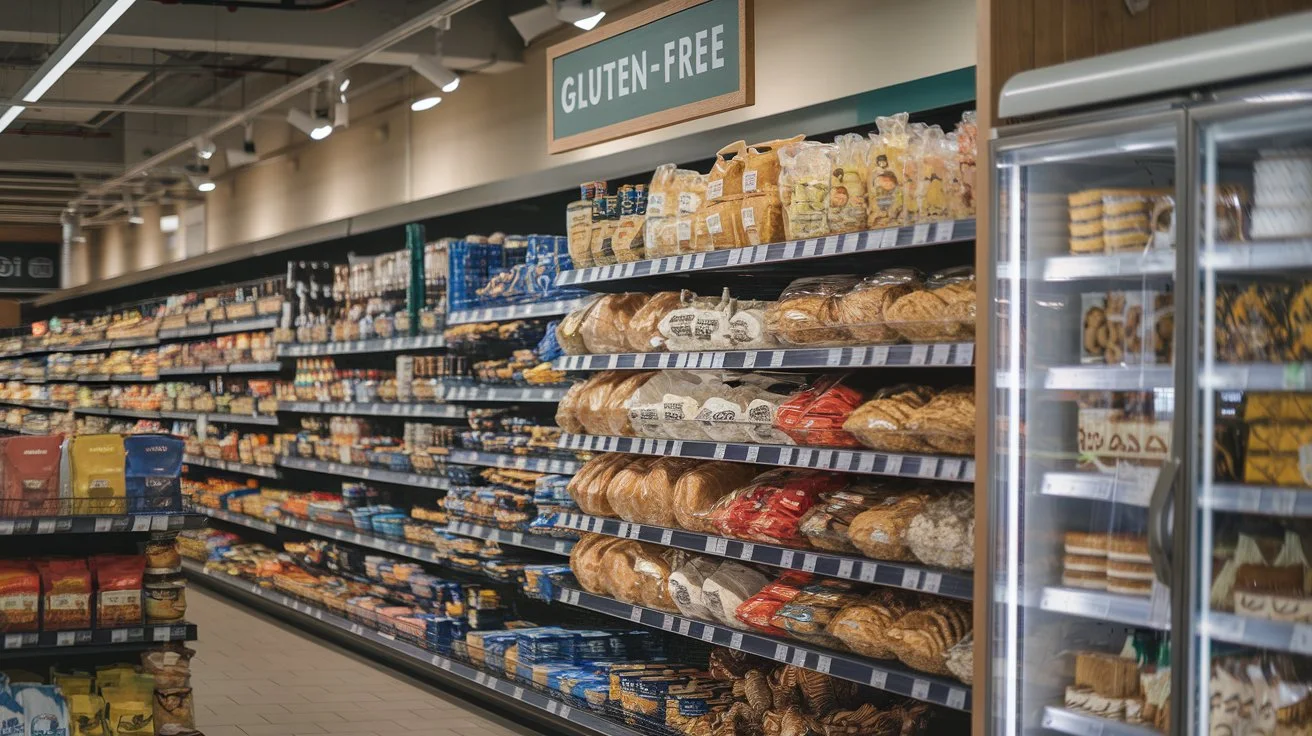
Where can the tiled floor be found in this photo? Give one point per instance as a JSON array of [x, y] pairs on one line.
[[255, 676]]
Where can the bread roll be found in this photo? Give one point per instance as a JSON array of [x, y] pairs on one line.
[[862, 309], [567, 411], [697, 491], [643, 334], [807, 311], [880, 533], [655, 491], [624, 488], [883, 423], [605, 326]]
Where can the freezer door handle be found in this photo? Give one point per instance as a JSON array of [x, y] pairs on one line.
[[1159, 520]]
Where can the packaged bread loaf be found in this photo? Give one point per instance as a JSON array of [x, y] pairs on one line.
[[943, 533], [863, 626], [643, 333], [656, 489], [847, 186], [807, 311], [567, 411], [629, 242], [942, 311], [578, 229], [672, 199], [947, 422], [885, 204], [699, 323], [761, 218], [825, 526], [686, 582], [761, 165], [725, 179], [935, 155], [771, 507], [616, 409], [725, 591], [622, 490], [882, 422], [716, 225], [585, 560], [584, 491], [967, 143], [747, 328], [881, 531], [639, 573], [807, 616], [805, 171], [568, 331], [861, 311], [922, 638], [605, 326], [697, 491]]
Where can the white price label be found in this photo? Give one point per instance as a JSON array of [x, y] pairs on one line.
[[65, 639], [118, 636], [920, 689], [564, 712], [938, 354], [684, 626], [518, 692], [736, 641], [667, 536], [878, 679], [949, 468], [781, 652], [45, 526], [141, 523], [910, 579], [799, 657], [624, 529], [1282, 502], [13, 641], [845, 568], [920, 234], [928, 468], [161, 633], [635, 615], [748, 551], [943, 231], [159, 523], [932, 582], [104, 524], [667, 622], [1300, 639], [719, 451], [786, 558], [868, 570], [823, 663], [892, 464], [808, 563], [708, 633], [752, 453], [957, 698], [888, 238], [719, 545]]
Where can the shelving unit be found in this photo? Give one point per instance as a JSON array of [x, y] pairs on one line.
[[1101, 606], [260, 471], [360, 347], [55, 643], [418, 480], [1075, 723], [99, 524], [514, 311], [412, 411]]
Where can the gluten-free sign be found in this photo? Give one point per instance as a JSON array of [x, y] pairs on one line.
[[678, 61]]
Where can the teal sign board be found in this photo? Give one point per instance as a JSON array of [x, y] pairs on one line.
[[678, 61]]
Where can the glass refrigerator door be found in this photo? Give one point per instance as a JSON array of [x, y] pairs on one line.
[[1084, 337], [1252, 654]]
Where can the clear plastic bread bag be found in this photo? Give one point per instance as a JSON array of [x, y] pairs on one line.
[[643, 334], [568, 332], [629, 242], [716, 226], [747, 330], [662, 193], [805, 171], [947, 422], [827, 523], [701, 323], [886, 191], [807, 311], [647, 407], [586, 561], [567, 411], [967, 145], [911, 177], [862, 310], [654, 495], [723, 417], [686, 583], [768, 393], [880, 532], [605, 326], [761, 218], [588, 486], [761, 165], [935, 171], [596, 400], [622, 492], [943, 534], [943, 311], [862, 626], [578, 233], [698, 490], [847, 185], [616, 406], [881, 422]]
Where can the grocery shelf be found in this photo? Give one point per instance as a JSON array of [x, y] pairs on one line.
[[516, 462], [418, 480], [514, 539], [1101, 606], [185, 370], [327, 531], [894, 574], [908, 236], [261, 471], [36, 404], [132, 378], [265, 420], [102, 411], [514, 311], [1156, 263], [1267, 500], [379, 409], [1268, 255], [938, 354], [484, 392], [250, 522], [350, 347], [425, 661], [23, 430], [1110, 377], [116, 524], [220, 328], [217, 368], [1131, 489], [1284, 636], [1258, 377], [58, 642], [958, 469], [1075, 723], [881, 675]]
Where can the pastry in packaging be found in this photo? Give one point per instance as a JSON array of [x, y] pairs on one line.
[[1250, 322], [886, 201], [947, 422], [934, 156], [847, 185], [31, 478], [173, 707], [882, 422], [655, 492], [605, 326], [826, 524], [862, 626], [589, 486], [963, 201], [643, 333], [698, 490], [686, 581], [760, 218], [166, 599], [805, 171], [943, 533], [569, 330], [807, 311], [922, 638], [807, 616], [761, 165], [942, 311], [861, 311], [815, 415], [725, 179], [881, 531]]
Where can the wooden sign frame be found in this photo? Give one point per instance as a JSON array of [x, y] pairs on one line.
[[745, 94]]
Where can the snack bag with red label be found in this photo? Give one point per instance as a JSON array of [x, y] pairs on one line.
[[814, 417]]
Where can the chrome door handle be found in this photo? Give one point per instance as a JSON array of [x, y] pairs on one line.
[[1158, 520]]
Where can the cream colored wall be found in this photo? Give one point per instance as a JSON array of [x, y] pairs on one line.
[[494, 128]]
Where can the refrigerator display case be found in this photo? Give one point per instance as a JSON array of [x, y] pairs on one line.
[[1150, 479]]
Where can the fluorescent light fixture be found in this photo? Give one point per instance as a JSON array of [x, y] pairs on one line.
[[10, 115], [425, 103], [205, 149], [431, 68], [579, 12], [92, 27], [314, 126], [205, 186]]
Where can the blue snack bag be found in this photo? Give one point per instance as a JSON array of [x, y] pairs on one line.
[[154, 473]]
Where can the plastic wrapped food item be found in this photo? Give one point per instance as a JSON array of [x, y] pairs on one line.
[[758, 611], [578, 230], [629, 241], [862, 309], [761, 167], [568, 408], [673, 197], [725, 179], [882, 422], [732, 584], [961, 657], [947, 422], [622, 489], [963, 193], [655, 492], [807, 311], [826, 524], [589, 486], [805, 171], [585, 560], [808, 615], [666, 405], [639, 573], [935, 157], [815, 416], [770, 509], [747, 327], [847, 185], [761, 218], [942, 311], [605, 326], [700, 323], [922, 638], [943, 533], [643, 334], [568, 331], [686, 583], [881, 531], [603, 406], [698, 490], [863, 626], [887, 191], [717, 226]]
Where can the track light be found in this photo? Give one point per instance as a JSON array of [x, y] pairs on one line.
[[246, 154], [315, 126], [342, 86], [205, 186], [582, 13], [205, 149], [425, 103], [135, 218], [431, 68]]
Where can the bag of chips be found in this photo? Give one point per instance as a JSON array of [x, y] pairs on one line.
[[129, 712], [31, 476], [153, 473], [98, 474], [118, 590], [20, 597], [67, 589]]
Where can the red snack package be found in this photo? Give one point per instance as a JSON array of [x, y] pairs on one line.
[[814, 417], [770, 509], [67, 589], [787, 587], [757, 611], [118, 589], [31, 476], [20, 597]]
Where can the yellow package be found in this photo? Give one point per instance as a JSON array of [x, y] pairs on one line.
[[86, 714], [628, 243], [127, 713], [716, 226], [97, 467], [761, 219], [73, 683], [726, 177], [113, 676], [847, 186], [886, 190]]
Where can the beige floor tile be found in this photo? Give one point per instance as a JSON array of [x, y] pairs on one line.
[[281, 729]]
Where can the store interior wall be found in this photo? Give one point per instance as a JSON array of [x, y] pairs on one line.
[[494, 128]]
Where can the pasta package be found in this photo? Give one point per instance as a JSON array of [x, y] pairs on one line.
[[847, 185], [805, 171], [99, 486]]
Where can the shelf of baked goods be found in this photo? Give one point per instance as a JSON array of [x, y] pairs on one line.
[[1156, 263], [441, 665], [190, 416], [216, 368], [1283, 636], [514, 539], [353, 347], [231, 517], [1063, 720], [98, 524], [1253, 499], [487, 392], [950, 583], [36, 404], [1270, 255], [958, 469], [866, 241], [1109, 377], [418, 480], [261, 471], [938, 354], [513, 311], [1102, 606], [514, 462], [881, 675], [377, 409], [1126, 484], [56, 643], [22, 430], [219, 328]]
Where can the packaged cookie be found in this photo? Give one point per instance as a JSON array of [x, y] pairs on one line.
[[942, 311], [886, 198], [807, 311], [761, 219], [847, 184], [726, 177], [862, 310], [805, 171], [1096, 335]]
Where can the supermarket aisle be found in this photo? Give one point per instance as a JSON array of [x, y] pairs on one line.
[[253, 676]]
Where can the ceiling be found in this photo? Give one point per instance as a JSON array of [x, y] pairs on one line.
[[170, 68]]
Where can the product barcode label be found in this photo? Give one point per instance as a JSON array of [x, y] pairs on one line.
[[932, 582], [684, 626], [781, 652], [667, 622], [808, 563], [45, 526], [752, 453], [749, 182], [141, 523], [708, 633], [888, 238], [635, 615], [13, 641], [878, 679], [104, 524], [799, 657], [748, 551], [118, 636], [845, 568], [893, 464], [920, 234], [786, 558], [161, 633], [749, 217], [910, 579], [65, 639], [822, 663], [868, 570], [956, 698]]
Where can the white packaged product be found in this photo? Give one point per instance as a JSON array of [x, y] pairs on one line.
[[11, 712], [747, 326], [943, 533], [701, 324], [725, 590], [45, 711], [686, 586], [667, 405]]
